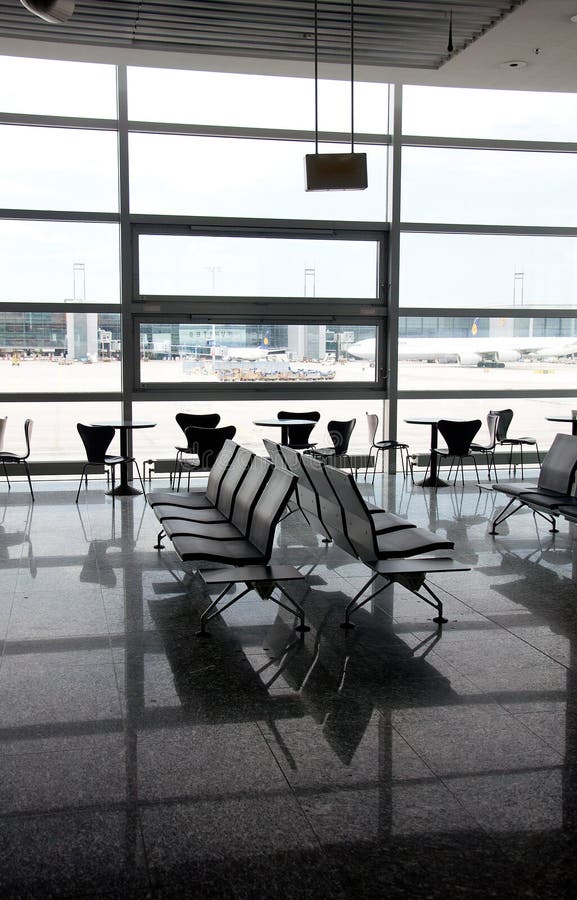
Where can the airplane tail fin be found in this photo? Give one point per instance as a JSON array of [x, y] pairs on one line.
[[475, 328], [265, 343]]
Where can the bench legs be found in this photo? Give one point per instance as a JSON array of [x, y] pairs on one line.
[[413, 583], [212, 611], [504, 515]]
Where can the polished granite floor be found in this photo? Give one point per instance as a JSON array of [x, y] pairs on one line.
[[391, 761]]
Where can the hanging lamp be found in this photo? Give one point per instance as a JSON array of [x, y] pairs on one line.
[[53, 11], [335, 171]]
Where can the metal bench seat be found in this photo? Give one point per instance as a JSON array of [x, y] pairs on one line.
[[553, 489]]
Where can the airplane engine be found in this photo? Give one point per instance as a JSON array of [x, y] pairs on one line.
[[508, 356], [470, 359]]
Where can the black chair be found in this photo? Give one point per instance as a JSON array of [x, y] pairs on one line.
[[489, 449], [382, 446], [97, 440], [184, 421], [205, 444], [340, 434], [458, 437], [7, 456], [505, 417], [298, 435]]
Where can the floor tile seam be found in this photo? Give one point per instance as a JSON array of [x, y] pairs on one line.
[[313, 831], [489, 618]]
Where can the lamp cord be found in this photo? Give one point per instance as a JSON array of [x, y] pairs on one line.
[[316, 79], [352, 76]]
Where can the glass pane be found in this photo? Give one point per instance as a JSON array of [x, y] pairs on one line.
[[59, 352], [72, 261], [247, 266], [529, 419], [468, 112], [489, 187], [76, 170], [54, 434], [480, 271], [234, 177], [187, 353], [260, 101], [50, 87], [443, 354], [159, 442]]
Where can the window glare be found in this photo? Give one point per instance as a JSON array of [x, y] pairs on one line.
[[200, 176], [476, 113], [54, 88], [481, 271], [489, 187], [260, 101]]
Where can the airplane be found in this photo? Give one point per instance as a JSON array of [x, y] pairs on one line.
[[489, 352], [252, 354]]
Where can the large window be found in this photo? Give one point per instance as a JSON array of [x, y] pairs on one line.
[[288, 353], [245, 266]]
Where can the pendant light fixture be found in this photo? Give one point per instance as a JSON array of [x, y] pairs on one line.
[[335, 171], [53, 11]]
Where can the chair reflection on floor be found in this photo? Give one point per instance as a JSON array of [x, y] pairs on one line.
[[16, 538]]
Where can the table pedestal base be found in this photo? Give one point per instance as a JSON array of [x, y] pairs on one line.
[[433, 482], [124, 491]]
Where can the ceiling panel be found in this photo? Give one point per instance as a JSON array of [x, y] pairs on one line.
[[397, 33]]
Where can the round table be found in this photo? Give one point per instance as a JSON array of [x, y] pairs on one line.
[[433, 480], [571, 419], [123, 426], [284, 425]]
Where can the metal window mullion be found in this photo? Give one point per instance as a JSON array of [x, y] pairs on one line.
[[508, 312], [513, 230], [51, 215], [481, 394], [60, 306], [128, 362], [458, 143], [73, 122], [391, 376], [259, 134]]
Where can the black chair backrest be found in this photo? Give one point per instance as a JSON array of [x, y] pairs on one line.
[[306, 496], [358, 522], [28, 424], [559, 465], [96, 440], [298, 435], [340, 433], [221, 468], [458, 435], [258, 473], [277, 459], [332, 512], [268, 510], [232, 480], [206, 420], [505, 416], [207, 443]]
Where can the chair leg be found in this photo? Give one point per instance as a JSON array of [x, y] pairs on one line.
[[82, 476], [113, 480], [538, 454], [476, 469], [140, 477], [29, 479], [376, 463], [6, 475], [522, 469]]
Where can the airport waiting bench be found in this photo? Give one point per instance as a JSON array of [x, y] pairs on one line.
[[232, 522], [390, 546], [553, 495]]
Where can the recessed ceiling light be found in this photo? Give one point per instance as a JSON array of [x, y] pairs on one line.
[[513, 64], [573, 19]]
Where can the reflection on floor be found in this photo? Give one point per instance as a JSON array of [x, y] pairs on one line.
[[390, 761]]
